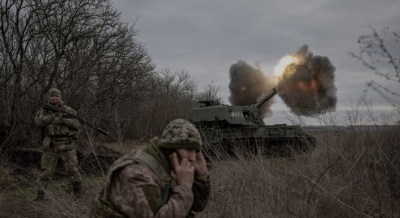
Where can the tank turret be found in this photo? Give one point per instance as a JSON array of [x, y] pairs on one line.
[[212, 113], [228, 127]]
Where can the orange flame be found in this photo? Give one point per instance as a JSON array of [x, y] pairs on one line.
[[282, 64], [308, 86]]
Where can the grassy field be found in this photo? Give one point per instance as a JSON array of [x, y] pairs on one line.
[[351, 173]]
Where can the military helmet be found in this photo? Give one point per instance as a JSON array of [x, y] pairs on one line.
[[55, 90], [180, 133]]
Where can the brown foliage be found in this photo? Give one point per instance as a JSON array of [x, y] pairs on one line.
[[84, 49], [354, 172]]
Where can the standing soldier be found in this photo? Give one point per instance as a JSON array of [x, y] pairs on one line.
[[59, 134], [168, 178]]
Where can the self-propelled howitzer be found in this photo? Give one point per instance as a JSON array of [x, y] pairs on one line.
[[227, 128]]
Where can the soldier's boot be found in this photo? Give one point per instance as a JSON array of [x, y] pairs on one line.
[[77, 188], [40, 195]]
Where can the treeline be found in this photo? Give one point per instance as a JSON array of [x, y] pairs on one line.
[[83, 48]]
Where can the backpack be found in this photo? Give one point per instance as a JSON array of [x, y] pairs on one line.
[[102, 207]]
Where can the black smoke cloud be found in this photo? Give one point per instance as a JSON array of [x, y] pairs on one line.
[[248, 85], [307, 85]]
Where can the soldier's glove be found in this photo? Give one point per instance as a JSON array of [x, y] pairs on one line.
[[58, 119]]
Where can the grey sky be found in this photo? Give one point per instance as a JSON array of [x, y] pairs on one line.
[[206, 37]]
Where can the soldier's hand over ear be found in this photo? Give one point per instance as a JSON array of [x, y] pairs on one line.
[[183, 172], [200, 166]]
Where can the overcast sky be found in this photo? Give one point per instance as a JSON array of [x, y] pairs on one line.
[[205, 37]]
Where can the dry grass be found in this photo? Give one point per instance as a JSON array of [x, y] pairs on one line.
[[351, 173], [127, 146]]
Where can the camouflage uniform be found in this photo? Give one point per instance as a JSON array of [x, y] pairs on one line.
[[139, 184], [58, 143]]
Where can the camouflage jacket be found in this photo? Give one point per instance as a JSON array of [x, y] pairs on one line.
[[135, 189], [62, 132]]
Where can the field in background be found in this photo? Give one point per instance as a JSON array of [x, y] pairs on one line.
[[352, 173]]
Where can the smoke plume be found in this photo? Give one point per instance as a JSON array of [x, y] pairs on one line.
[[248, 85], [307, 84]]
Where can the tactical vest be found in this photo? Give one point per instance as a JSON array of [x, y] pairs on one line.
[[101, 205], [59, 130]]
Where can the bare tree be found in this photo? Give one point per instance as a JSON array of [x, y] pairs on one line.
[[210, 93], [83, 48], [16, 34], [379, 51], [80, 46], [172, 96]]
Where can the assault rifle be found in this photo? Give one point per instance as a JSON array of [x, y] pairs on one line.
[[67, 114]]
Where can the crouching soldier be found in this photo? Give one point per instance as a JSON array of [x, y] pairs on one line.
[[59, 136], [168, 178]]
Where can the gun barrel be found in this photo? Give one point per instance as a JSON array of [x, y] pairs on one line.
[[51, 108], [266, 98]]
